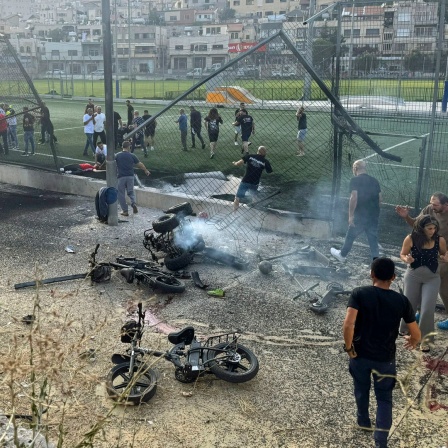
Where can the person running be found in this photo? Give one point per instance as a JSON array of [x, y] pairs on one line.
[[255, 164], [150, 132], [238, 127], [370, 330], [301, 134], [125, 173], [247, 125], [196, 127], [212, 122]]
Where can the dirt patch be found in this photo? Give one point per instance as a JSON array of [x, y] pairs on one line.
[[301, 397]]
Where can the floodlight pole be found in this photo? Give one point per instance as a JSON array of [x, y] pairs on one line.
[[111, 169]]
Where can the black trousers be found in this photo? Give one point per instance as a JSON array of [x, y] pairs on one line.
[[196, 133], [101, 135]]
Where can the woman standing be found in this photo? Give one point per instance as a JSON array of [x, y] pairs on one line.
[[212, 121], [421, 250]]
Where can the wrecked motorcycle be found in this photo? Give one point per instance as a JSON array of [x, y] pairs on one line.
[[174, 235], [144, 271], [132, 380]]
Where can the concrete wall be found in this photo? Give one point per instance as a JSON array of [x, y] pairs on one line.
[[153, 198]]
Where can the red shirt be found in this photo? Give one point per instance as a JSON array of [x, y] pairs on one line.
[[3, 123]]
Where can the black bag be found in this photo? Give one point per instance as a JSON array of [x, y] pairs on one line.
[[101, 273], [129, 330]]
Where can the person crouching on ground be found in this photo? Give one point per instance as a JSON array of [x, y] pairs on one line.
[[125, 173], [370, 330], [255, 164]]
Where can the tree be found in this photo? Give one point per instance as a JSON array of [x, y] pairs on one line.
[[226, 14], [366, 62], [57, 35], [414, 61]]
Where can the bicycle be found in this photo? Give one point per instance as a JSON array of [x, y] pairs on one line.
[[132, 380], [144, 271]]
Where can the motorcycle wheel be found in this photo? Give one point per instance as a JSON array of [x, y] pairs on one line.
[[139, 388], [184, 208], [167, 283], [232, 362], [166, 223], [177, 262]]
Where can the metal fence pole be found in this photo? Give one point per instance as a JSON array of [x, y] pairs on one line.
[[430, 149]]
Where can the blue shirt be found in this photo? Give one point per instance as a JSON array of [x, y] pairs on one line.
[[182, 120], [125, 163]]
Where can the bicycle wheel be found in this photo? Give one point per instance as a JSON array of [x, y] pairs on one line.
[[232, 362], [137, 388], [167, 283]]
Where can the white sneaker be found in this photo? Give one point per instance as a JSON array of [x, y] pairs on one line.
[[337, 254], [152, 148], [237, 144]]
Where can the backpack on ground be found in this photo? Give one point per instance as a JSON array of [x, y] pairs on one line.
[[103, 198]]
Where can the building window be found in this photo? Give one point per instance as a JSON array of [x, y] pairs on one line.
[[236, 3], [387, 47], [173, 18], [424, 47], [180, 63], [269, 1], [178, 47], [142, 50], [198, 47], [425, 32], [403, 32], [93, 52], [55, 53], [249, 2], [143, 68], [347, 33], [136, 36], [401, 47], [123, 51], [269, 13], [73, 52], [218, 47], [404, 16], [388, 36], [372, 32], [357, 33], [234, 35]]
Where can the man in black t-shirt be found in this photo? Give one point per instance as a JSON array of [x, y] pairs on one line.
[[370, 330], [238, 128], [255, 164], [301, 134], [246, 122], [150, 132], [363, 211], [196, 126]]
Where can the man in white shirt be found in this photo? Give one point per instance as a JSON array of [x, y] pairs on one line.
[[100, 123], [89, 126], [100, 156]]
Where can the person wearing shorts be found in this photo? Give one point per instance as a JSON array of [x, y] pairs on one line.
[[246, 122], [212, 122], [238, 127], [150, 132], [301, 134], [255, 165]]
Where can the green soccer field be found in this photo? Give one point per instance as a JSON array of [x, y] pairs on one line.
[[276, 129]]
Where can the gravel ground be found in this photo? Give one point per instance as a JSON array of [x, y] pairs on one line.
[[301, 397]]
